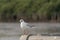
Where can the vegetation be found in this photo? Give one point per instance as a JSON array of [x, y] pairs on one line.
[[33, 10]]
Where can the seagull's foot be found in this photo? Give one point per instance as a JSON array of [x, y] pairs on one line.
[[25, 33]]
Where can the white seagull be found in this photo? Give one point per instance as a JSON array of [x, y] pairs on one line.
[[25, 26]]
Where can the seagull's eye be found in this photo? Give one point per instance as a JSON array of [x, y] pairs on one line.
[[21, 20]]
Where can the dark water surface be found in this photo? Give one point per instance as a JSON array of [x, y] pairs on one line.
[[11, 31]]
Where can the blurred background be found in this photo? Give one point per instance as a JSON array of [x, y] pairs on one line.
[[42, 13], [33, 10]]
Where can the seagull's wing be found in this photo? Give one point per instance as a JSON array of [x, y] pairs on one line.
[[29, 25]]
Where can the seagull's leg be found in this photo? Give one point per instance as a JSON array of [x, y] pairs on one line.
[[25, 32]]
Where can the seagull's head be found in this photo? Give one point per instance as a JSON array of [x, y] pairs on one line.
[[21, 20]]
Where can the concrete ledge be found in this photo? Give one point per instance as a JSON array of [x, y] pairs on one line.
[[23, 37], [35, 37]]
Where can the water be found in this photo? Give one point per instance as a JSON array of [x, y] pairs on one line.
[[11, 31]]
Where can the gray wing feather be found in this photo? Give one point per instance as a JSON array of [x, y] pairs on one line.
[[30, 25]]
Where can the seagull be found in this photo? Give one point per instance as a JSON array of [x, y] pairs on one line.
[[25, 26]]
